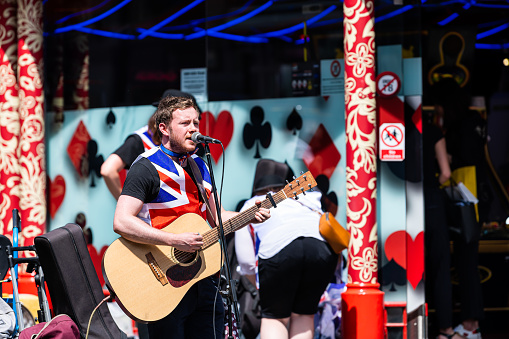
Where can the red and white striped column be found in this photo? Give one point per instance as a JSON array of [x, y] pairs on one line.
[[362, 303], [32, 162], [9, 117]]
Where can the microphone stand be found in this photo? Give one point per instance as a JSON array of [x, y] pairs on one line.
[[231, 288]]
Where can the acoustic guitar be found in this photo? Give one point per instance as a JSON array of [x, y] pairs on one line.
[[149, 281]]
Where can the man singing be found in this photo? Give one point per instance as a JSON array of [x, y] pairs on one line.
[[149, 202]]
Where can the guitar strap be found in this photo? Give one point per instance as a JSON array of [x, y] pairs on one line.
[[201, 189]]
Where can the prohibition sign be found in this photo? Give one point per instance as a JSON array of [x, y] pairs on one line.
[[387, 84], [392, 136], [335, 68]]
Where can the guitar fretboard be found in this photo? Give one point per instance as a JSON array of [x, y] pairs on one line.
[[240, 220]]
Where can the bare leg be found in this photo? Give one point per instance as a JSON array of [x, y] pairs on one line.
[[274, 328], [302, 326]]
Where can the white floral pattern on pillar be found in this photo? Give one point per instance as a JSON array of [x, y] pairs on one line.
[[31, 111], [359, 39], [9, 116]]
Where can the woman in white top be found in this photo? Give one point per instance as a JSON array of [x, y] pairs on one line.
[[291, 261]]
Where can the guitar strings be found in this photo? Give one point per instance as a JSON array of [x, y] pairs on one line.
[[212, 236]]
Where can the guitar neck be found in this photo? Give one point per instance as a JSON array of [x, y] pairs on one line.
[[296, 187], [240, 220]]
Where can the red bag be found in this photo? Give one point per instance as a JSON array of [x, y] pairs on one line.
[[60, 327]]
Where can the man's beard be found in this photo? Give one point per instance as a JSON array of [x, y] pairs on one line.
[[176, 146]]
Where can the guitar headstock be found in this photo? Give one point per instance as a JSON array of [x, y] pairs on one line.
[[300, 185]]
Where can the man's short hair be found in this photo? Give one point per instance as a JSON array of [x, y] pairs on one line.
[[168, 105]]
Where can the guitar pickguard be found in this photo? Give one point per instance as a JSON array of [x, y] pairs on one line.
[[178, 275]]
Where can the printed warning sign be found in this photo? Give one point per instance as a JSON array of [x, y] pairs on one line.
[[332, 78], [387, 84], [194, 81], [392, 142]]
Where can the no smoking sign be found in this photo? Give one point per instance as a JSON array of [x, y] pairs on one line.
[[392, 142]]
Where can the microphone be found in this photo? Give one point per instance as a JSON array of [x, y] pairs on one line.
[[197, 137]]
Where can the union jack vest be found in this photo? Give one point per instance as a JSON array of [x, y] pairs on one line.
[[148, 143], [178, 194]]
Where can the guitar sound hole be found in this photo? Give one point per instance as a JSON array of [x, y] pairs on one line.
[[184, 257]]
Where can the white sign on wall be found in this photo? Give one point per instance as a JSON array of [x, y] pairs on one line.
[[392, 142], [194, 81], [332, 77]]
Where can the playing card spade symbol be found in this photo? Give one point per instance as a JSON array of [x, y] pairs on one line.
[[94, 161], [110, 119], [257, 132], [393, 274], [329, 200], [294, 122]]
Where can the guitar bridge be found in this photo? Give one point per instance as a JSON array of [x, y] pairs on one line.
[[154, 266]]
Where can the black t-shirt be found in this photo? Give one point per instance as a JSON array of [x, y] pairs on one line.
[[142, 181], [431, 135], [130, 149]]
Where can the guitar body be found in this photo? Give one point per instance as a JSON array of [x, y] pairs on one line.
[[149, 281]]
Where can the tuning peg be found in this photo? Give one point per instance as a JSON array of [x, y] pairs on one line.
[[295, 196], [289, 185], [302, 189]]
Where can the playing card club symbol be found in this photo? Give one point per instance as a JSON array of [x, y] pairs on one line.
[[329, 200], [94, 162], [220, 128], [257, 132], [56, 194], [294, 122]]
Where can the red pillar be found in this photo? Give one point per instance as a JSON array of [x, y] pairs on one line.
[[31, 111], [9, 118], [362, 303]]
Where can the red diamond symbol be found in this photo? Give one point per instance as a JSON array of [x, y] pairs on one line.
[[322, 156], [77, 148]]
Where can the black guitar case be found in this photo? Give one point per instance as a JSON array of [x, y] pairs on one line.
[[72, 281]]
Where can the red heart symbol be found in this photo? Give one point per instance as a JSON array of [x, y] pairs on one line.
[[401, 247], [102, 251], [221, 129], [56, 194], [96, 260]]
